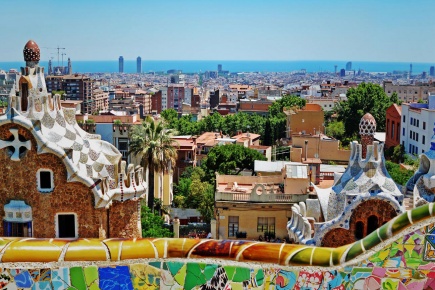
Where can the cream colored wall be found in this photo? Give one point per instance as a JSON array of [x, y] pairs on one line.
[[309, 121], [248, 179], [163, 188], [326, 149], [296, 185], [248, 218]]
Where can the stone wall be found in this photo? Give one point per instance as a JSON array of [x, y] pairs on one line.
[[18, 181], [124, 219]]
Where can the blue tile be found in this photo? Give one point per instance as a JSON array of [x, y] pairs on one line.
[[114, 278]]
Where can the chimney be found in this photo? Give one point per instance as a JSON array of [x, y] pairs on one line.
[[306, 149]]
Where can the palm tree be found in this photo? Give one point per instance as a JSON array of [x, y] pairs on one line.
[[152, 143]]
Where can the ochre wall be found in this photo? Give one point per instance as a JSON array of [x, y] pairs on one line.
[[18, 181], [248, 217], [124, 219]]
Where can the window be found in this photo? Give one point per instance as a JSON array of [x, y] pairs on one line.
[[66, 225], [403, 131], [233, 225], [423, 141], [13, 229], [392, 130], [404, 118], [265, 224], [45, 180], [424, 125]]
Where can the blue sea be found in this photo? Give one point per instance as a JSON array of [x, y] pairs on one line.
[[196, 66]]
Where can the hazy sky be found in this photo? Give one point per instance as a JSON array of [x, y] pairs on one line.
[[364, 30]]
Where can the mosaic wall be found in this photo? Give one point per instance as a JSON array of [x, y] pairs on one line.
[[407, 263], [399, 255]]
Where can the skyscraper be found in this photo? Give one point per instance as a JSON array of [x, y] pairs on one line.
[[432, 71], [121, 64], [349, 65], [219, 68], [139, 65]]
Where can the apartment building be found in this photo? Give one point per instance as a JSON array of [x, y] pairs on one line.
[[417, 126], [409, 93]]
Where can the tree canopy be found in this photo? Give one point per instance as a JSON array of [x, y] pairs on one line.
[[366, 98], [152, 225], [231, 159]]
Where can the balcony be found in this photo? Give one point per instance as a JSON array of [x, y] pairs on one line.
[[254, 197]]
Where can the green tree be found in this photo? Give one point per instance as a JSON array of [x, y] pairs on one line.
[[230, 159], [153, 225], [398, 174], [171, 118], [398, 154], [335, 129], [152, 143], [366, 98], [287, 101]]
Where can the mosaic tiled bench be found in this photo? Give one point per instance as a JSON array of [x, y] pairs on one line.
[[399, 255]]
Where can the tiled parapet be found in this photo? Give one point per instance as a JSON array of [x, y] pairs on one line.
[[399, 255]]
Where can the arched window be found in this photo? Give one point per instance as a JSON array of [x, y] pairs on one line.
[[359, 230], [372, 224]]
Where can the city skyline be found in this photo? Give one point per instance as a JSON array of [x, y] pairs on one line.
[[392, 31]]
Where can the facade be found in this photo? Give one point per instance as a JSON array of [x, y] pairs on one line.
[[308, 120], [267, 199], [77, 88], [66, 182], [362, 199], [139, 65], [121, 64], [393, 122], [409, 93], [416, 126]]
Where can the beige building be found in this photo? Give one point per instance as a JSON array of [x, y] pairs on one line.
[[409, 93], [308, 120], [318, 146], [252, 206]]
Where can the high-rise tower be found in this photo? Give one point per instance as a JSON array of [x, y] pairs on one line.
[[139, 65], [349, 65], [121, 64]]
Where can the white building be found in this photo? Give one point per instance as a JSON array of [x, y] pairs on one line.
[[417, 126]]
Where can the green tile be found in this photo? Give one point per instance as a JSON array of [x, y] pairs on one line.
[[209, 271], [383, 231], [77, 278], [241, 274], [420, 213], [302, 257], [259, 277], [371, 240], [91, 276], [400, 222], [354, 251]]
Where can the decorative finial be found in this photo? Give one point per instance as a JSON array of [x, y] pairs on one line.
[[32, 53]]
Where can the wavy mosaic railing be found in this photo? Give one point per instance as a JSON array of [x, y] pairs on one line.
[[399, 255]]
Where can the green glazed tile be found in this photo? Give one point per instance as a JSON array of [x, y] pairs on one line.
[[322, 257], [354, 251], [259, 277], [91, 276], [400, 222], [241, 274], [420, 213], [383, 231], [302, 257], [77, 278], [371, 240]]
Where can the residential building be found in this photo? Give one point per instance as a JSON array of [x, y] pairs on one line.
[[393, 123], [267, 199], [77, 88], [409, 93], [308, 120], [416, 126], [253, 106]]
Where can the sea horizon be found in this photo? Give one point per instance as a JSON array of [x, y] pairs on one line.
[[196, 66]]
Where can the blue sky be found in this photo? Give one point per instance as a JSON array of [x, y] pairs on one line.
[[364, 30]]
